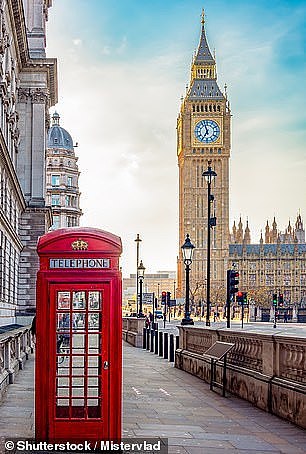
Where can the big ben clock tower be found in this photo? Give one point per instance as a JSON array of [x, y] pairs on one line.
[[203, 139]]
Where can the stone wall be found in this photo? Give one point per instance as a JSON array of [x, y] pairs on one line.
[[132, 330], [15, 347], [268, 370]]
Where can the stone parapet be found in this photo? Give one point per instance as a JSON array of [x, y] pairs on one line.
[[132, 330], [15, 347], [268, 370]]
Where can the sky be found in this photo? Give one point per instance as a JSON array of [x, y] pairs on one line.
[[123, 66]]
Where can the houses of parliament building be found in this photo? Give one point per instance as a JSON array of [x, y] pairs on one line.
[[277, 264]]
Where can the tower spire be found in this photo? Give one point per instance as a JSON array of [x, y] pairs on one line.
[[203, 17], [203, 83]]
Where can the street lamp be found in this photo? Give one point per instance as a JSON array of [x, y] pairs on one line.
[[141, 270], [209, 176], [187, 250], [138, 240]]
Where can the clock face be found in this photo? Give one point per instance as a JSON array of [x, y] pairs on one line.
[[207, 131]]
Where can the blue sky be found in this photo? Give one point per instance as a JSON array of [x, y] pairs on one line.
[[123, 66]]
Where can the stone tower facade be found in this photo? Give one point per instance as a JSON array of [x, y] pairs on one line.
[[203, 135], [62, 177]]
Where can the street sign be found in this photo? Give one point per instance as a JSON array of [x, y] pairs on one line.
[[147, 298]]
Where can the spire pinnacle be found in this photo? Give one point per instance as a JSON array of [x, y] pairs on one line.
[[203, 17]]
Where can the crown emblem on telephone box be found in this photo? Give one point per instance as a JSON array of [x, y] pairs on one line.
[[79, 245]]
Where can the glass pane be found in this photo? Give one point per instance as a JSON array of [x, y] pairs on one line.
[[92, 402], [63, 322], [62, 402], [92, 392], [63, 392], [78, 343], [94, 299], [78, 361], [77, 381], [62, 382], [93, 371], [78, 300], [63, 300], [77, 392], [78, 321], [62, 409], [63, 363], [94, 322], [63, 344], [93, 361], [77, 371], [93, 343], [93, 409], [92, 381], [77, 402]]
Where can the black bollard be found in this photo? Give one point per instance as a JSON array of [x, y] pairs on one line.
[[177, 342], [156, 342], [144, 338], [160, 344], [171, 347], [148, 338], [166, 345], [152, 340]]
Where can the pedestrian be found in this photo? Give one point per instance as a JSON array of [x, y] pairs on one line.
[[150, 317], [147, 322], [285, 317]]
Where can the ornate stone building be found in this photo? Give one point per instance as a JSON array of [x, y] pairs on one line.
[[62, 186], [28, 88], [276, 265], [203, 135]]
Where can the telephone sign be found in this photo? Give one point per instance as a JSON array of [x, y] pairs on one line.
[[78, 352]]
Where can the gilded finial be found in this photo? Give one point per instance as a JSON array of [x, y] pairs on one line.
[[203, 17]]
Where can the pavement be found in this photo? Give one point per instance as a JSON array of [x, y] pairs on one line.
[[162, 401]]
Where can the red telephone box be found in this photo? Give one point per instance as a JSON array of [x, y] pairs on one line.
[[78, 343]]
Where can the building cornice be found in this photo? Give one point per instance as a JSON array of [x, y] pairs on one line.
[[49, 67], [19, 31]]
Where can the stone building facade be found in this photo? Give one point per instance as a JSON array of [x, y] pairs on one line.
[[203, 137], [276, 265], [62, 177], [28, 88]]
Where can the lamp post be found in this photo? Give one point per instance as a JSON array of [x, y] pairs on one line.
[[209, 176], [141, 270], [187, 250], [138, 240]]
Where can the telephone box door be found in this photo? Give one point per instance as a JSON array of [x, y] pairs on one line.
[[79, 366]]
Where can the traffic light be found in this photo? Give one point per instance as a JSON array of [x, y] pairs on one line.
[[274, 299], [164, 296], [232, 281], [239, 297], [245, 298], [168, 298], [281, 299]]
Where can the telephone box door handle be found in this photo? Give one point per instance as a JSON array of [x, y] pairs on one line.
[[105, 365]]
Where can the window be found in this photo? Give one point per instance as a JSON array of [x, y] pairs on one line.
[[56, 222], [55, 200], [69, 181], [55, 180]]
